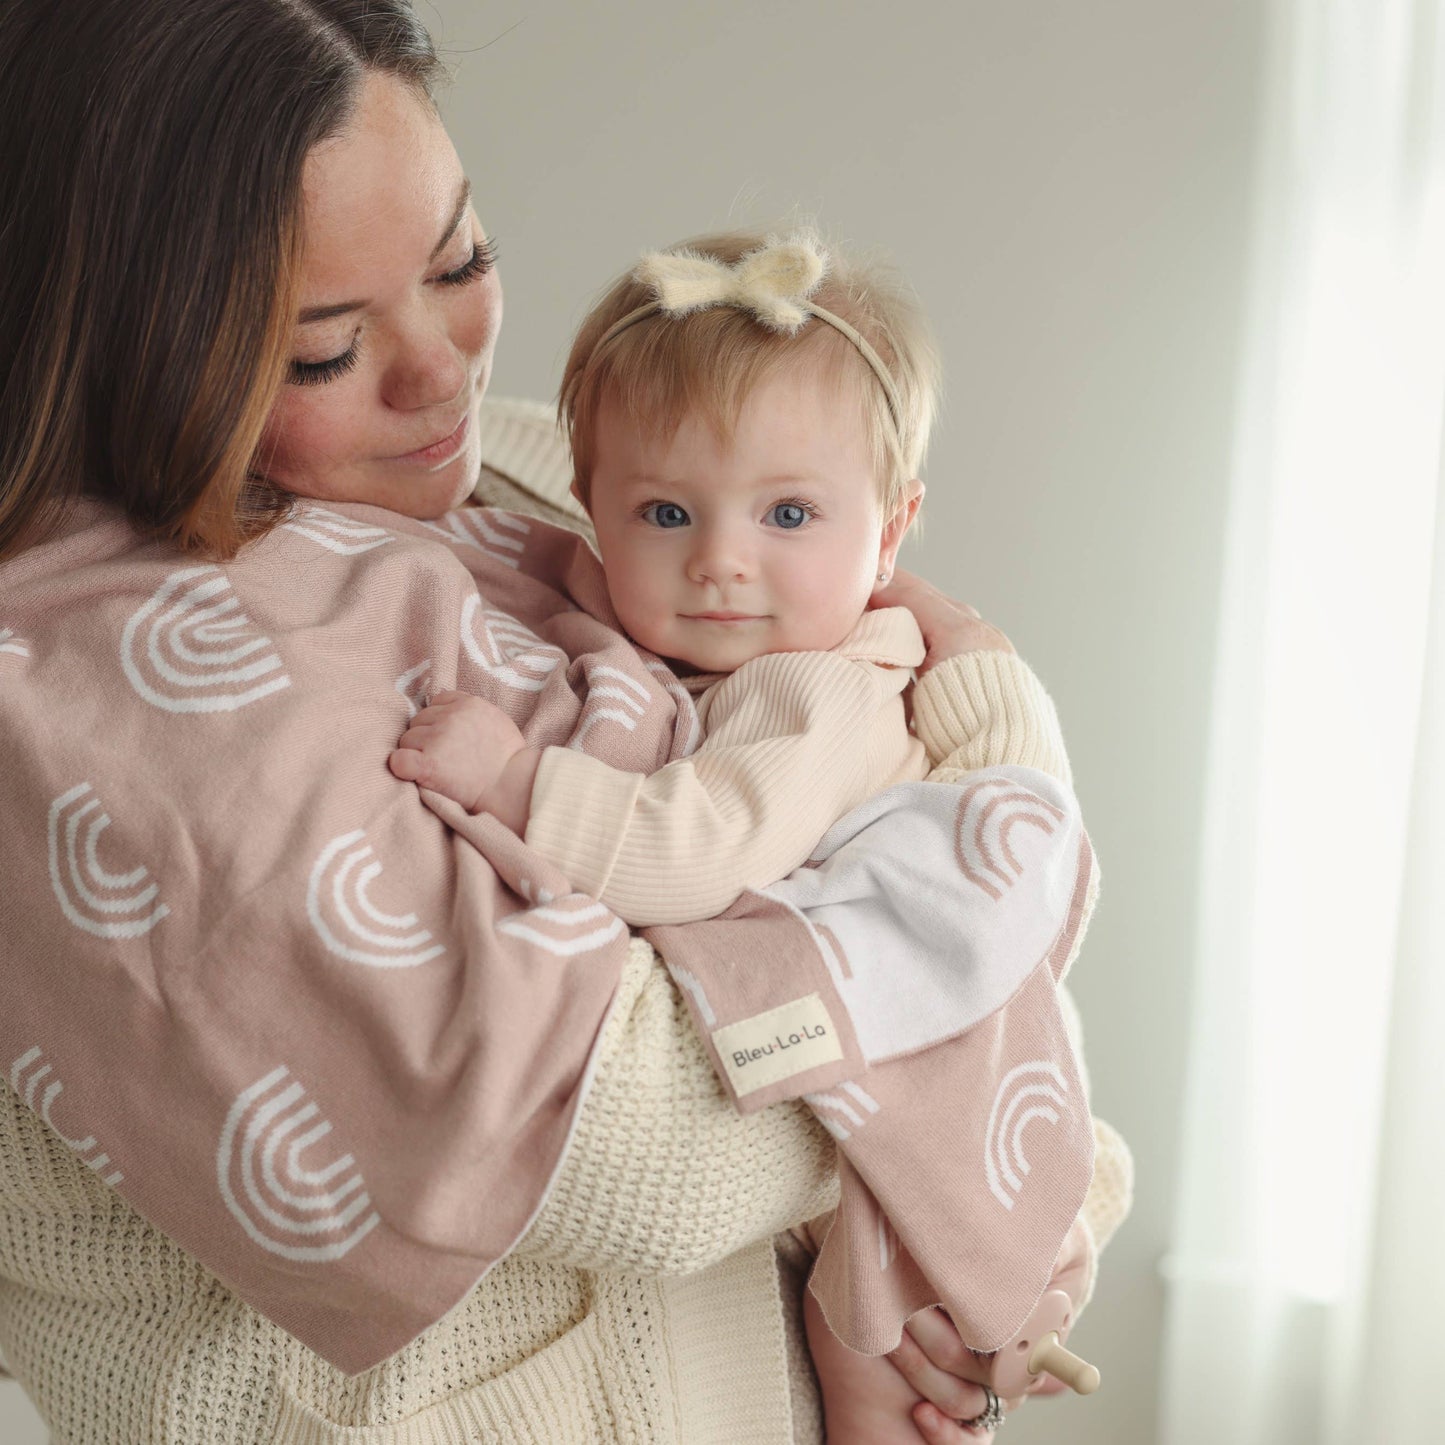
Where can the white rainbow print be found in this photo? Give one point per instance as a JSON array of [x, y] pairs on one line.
[[612, 696], [833, 1109], [26, 1075], [988, 812], [686, 708], [506, 650], [190, 648], [498, 534], [338, 533], [412, 686], [1035, 1090], [9, 642], [887, 1242], [310, 1214], [102, 903], [339, 905], [564, 926]]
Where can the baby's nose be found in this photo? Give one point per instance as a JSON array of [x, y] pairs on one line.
[[719, 557]]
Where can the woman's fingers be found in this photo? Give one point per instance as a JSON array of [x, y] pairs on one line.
[[932, 608], [937, 1429], [938, 1339], [933, 1358], [930, 1361]]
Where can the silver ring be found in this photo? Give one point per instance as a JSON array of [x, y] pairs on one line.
[[992, 1416]]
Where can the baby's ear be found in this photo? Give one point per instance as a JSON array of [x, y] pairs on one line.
[[897, 525]]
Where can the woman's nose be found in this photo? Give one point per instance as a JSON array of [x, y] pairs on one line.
[[428, 369]]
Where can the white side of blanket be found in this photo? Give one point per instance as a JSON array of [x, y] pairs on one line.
[[929, 953]]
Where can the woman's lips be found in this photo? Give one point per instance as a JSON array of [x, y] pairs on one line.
[[441, 451]]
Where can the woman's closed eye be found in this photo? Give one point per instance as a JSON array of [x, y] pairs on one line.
[[482, 259], [317, 373]]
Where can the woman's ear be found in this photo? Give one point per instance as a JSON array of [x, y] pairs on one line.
[[895, 529]]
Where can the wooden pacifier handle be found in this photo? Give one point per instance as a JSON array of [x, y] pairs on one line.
[[1038, 1349], [1052, 1358]]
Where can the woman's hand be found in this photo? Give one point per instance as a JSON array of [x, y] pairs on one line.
[[933, 1358], [948, 627]]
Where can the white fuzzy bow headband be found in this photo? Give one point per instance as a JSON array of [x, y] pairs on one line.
[[772, 284]]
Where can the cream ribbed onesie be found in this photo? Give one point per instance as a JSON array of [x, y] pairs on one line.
[[792, 741]]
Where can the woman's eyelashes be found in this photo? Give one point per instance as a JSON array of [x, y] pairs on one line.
[[482, 259], [317, 373], [314, 373]]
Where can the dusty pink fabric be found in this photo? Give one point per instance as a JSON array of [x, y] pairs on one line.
[[313, 1033]]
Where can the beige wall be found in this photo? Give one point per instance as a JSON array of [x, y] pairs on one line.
[[1068, 186]]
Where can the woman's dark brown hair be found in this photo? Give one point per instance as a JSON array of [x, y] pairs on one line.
[[151, 155]]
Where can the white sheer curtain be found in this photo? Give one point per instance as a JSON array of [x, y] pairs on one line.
[[1306, 1286]]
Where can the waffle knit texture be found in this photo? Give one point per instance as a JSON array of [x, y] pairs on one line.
[[656, 1297]]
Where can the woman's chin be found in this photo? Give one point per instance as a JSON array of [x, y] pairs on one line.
[[399, 487], [435, 493]]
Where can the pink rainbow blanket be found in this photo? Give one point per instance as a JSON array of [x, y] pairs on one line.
[[327, 1033], [903, 983]]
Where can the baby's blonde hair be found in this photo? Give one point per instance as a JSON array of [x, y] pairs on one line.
[[666, 367]]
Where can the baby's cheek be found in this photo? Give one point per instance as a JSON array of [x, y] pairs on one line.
[[636, 609], [650, 632]]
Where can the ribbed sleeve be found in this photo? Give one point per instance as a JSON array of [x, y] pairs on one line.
[[580, 809], [984, 709], [794, 740]]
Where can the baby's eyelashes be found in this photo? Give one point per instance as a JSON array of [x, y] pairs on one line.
[[666, 515], [792, 514]]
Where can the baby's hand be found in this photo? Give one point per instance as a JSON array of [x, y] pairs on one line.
[[457, 745]]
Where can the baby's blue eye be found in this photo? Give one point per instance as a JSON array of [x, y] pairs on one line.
[[790, 515], [666, 514]]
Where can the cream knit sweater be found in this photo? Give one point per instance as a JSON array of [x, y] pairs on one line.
[[656, 1297]]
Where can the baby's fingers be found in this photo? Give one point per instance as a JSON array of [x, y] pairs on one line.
[[406, 763]]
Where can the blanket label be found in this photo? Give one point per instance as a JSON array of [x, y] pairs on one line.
[[777, 1044]]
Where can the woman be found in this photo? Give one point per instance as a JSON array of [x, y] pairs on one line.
[[243, 268]]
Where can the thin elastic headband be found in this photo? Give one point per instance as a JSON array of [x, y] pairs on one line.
[[772, 284]]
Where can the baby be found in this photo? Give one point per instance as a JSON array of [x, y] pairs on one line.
[[748, 418]]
